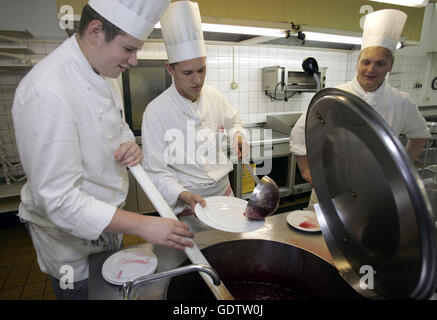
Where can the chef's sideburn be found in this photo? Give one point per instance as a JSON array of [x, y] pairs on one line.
[[88, 15]]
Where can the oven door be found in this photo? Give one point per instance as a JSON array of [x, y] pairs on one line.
[[142, 84]]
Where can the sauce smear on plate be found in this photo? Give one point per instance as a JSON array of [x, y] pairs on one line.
[[307, 225]]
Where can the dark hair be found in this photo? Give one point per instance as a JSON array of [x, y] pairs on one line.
[[89, 14]]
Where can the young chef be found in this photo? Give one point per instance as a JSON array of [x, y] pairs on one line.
[[74, 145], [382, 30], [180, 126]]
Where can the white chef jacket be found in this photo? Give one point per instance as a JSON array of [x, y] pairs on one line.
[[68, 124], [174, 133], [395, 107]]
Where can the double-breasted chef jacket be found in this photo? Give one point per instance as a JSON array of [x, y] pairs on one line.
[[181, 143], [395, 107], [69, 122]]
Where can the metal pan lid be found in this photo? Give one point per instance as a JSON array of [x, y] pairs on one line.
[[375, 215]]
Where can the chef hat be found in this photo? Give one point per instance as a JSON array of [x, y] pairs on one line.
[[182, 31], [136, 17], [383, 28]]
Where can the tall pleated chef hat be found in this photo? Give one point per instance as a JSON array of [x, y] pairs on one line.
[[383, 28], [181, 28], [136, 17]]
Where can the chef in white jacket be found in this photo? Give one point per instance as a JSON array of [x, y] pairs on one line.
[[74, 145], [184, 129], [381, 33]]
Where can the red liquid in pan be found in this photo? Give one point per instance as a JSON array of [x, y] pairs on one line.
[[252, 290]]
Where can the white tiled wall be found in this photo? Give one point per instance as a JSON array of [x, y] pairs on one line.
[[243, 64], [412, 72]]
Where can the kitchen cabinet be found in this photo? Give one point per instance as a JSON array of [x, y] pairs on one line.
[[333, 15], [132, 197], [137, 200], [144, 204], [337, 16]]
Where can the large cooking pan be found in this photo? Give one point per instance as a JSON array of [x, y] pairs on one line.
[[264, 270], [373, 212]]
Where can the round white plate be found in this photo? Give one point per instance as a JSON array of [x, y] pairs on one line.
[[305, 220], [128, 264], [226, 214]]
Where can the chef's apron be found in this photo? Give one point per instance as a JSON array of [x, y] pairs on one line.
[[56, 248]]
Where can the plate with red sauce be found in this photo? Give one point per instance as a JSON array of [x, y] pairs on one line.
[[305, 220], [128, 264]]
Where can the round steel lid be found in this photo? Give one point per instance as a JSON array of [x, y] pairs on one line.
[[375, 215]]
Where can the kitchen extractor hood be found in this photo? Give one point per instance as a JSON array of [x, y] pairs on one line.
[[249, 39], [408, 3], [208, 36]]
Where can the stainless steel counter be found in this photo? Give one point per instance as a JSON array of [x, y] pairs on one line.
[[261, 135], [276, 228], [257, 134]]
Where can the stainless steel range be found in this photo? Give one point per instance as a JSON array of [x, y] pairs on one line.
[[270, 151]]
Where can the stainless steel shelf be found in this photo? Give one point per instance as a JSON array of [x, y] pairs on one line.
[[9, 204], [14, 67], [10, 196], [18, 35], [14, 46], [11, 190], [15, 49]]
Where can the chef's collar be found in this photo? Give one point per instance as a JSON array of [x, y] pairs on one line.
[[372, 97], [188, 107], [81, 59], [94, 79]]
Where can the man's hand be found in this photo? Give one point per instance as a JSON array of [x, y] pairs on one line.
[[191, 199], [167, 232], [156, 230], [129, 154]]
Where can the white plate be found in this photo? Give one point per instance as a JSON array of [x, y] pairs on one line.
[[226, 214], [128, 264], [304, 220]]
